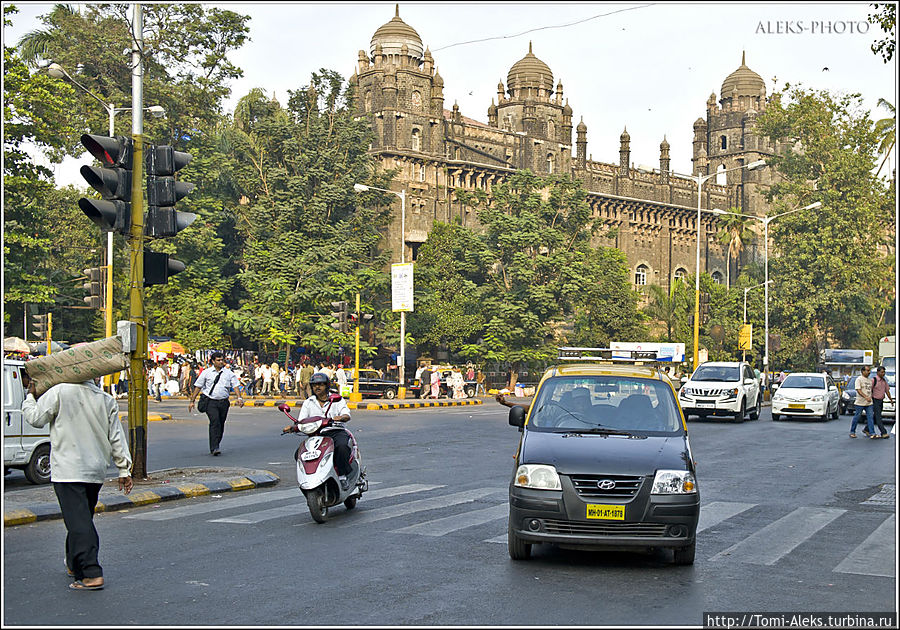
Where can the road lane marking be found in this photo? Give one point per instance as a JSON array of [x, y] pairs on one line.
[[213, 506], [714, 513], [448, 524], [299, 507], [876, 555], [499, 539], [774, 541], [421, 505]]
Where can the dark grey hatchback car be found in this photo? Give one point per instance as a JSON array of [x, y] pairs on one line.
[[604, 461]]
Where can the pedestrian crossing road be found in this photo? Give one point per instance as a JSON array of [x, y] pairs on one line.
[[728, 531]]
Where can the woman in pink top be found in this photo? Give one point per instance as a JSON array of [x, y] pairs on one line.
[[880, 389]]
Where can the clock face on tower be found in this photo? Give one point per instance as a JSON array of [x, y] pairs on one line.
[[416, 99]]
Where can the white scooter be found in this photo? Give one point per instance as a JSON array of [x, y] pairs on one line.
[[316, 475]]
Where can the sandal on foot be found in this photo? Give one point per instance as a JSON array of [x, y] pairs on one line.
[[853, 435], [79, 585]]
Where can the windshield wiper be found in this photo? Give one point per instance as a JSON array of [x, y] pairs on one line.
[[596, 431]]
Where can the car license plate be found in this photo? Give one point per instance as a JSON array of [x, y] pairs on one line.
[[706, 405], [796, 406], [606, 512]]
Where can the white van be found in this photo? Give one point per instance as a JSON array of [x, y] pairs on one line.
[[24, 446]]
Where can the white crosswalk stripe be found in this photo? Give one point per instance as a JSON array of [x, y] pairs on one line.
[[448, 524], [714, 513], [422, 505], [876, 555], [214, 506], [299, 507], [774, 541]]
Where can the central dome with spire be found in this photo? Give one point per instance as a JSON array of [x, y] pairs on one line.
[[393, 35], [530, 72], [744, 80]]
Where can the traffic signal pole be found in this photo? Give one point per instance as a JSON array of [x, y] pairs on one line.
[[356, 396], [137, 390]]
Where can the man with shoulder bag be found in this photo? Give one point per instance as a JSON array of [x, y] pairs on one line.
[[214, 385]]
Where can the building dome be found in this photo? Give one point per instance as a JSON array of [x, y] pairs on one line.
[[393, 35], [581, 126], [744, 81], [530, 72]]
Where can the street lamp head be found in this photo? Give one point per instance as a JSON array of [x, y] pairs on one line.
[[755, 165], [812, 206], [156, 111], [360, 187], [718, 211], [56, 71]]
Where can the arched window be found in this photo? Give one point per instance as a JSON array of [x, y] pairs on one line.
[[680, 274], [717, 277], [724, 142], [549, 162], [721, 177], [422, 173], [415, 142], [551, 129], [640, 276], [368, 100]]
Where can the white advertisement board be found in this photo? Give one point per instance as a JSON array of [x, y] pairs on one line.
[[664, 351], [402, 287]]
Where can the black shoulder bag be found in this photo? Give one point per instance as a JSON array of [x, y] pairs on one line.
[[203, 403]]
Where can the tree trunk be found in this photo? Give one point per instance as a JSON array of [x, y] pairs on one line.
[[513, 376]]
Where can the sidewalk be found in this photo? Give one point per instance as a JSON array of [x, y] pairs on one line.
[[371, 404], [38, 503]]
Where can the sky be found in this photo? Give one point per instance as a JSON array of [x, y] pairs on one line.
[[647, 67]]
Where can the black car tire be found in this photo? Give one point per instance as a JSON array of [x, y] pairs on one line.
[[37, 471], [739, 415], [837, 412], [685, 555], [470, 392], [518, 548], [390, 393], [757, 409], [776, 417]]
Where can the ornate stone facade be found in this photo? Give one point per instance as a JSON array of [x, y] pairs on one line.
[[652, 215]]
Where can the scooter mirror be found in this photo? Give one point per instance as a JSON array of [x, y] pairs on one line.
[[284, 407], [335, 398]]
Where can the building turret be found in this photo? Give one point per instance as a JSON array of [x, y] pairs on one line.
[[664, 161], [428, 64], [559, 92], [624, 152], [437, 95], [700, 145], [492, 114], [501, 92], [581, 144]]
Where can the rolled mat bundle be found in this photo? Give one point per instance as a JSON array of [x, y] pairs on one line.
[[76, 365]]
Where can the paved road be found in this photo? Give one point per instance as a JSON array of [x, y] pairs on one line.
[[795, 516]]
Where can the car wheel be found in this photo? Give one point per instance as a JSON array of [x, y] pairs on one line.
[[38, 469], [836, 413], [754, 415], [518, 548], [685, 555], [740, 413], [470, 392], [390, 393], [776, 417]]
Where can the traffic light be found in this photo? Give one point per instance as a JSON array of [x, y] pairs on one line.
[[96, 279], [163, 191], [112, 180], [342, 313], [40, 325], [158, 267], [704, 307]]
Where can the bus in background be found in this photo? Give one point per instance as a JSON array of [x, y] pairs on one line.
[[887, 356]]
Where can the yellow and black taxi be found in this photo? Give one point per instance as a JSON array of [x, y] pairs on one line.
[[604, 461]]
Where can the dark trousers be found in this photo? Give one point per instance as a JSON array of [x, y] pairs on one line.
[[341, 451], [217, 411], [876, 410], [77, 501]]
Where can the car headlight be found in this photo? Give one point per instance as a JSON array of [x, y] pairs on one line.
[[845, 396], [538, 476], [674, 482], [777, 397], [818, 398]]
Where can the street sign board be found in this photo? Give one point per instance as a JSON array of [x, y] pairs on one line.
[[664, 351], [745, 339], [402, 287]]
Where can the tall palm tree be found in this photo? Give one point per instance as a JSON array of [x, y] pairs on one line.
[[34, 45], [733, 232], [662, 307], [886, 128]]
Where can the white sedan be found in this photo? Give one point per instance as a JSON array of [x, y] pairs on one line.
[[806, 394]]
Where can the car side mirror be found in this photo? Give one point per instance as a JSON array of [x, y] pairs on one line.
[[517, 417], [832, 388]]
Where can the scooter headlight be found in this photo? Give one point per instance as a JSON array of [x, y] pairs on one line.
[[310, 427]]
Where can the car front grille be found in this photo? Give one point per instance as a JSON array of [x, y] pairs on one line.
[[629, 530], [712, 393], [588, 486]]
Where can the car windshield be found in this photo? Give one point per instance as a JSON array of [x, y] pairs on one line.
[[605, 403], [717, 373], [890, 364], [797, 381]]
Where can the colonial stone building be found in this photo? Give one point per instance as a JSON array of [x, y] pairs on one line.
[[652, 215]]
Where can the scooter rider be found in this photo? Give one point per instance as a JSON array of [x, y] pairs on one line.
[[319, 405]]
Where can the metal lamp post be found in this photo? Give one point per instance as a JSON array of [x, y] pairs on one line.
[[755, 286], [57, 71], [701, 179], [401, 390], [765, 221]]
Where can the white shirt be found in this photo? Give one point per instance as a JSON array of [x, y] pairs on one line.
[[341, 376], [84, 432], [266, 373], [159, 375], [312, 407], [226, 381]]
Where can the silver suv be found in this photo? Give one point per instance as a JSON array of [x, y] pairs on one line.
[[722, 388]]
